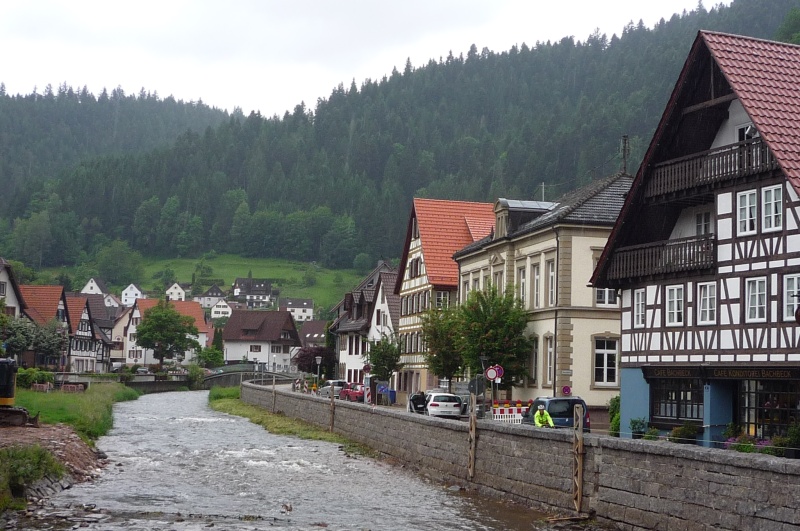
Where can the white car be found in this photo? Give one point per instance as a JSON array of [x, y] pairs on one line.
[[443, 405], [335, 385]]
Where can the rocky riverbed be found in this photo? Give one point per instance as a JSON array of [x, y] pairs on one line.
[[82, 462]]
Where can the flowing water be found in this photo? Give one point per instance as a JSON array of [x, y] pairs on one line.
[[175, 464]]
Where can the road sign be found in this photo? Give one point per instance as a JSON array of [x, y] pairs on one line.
[[500, 371], [491, 373]]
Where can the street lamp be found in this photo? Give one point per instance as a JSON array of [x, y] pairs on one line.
[[319, 361]]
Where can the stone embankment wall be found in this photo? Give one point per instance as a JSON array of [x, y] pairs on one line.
[[633, 484]]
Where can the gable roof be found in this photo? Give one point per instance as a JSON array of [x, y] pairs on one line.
[[213, 291], [42, 302], [188, 308], [764, 76], [387, 280], [4, 264], [598, 203], [313, 331], [444, 228], [256, 325], [75, 307]]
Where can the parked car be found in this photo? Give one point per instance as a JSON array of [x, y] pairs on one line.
[[416, 403], [142, 370], [354, 392], [332, 386], [443, 405], [561, 409]]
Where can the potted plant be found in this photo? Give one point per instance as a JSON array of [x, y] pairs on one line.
[[638, 426], [684, 434]]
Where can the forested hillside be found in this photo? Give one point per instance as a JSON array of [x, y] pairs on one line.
[[41, 134], [329, 183]]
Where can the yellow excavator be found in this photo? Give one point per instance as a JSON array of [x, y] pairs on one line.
[[11, 415]]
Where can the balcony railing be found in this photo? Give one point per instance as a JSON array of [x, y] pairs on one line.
[[735, 160], [670, 256]]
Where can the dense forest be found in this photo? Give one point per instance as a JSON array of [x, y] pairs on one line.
[[335, 182]]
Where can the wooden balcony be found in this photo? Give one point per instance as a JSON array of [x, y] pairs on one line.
[[708, 167], [658, 258]]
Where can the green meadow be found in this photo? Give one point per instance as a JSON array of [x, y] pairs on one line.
[[303, 280]]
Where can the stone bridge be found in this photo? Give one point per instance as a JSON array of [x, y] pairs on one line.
[[235, 378]]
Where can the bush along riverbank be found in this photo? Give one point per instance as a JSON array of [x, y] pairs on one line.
[[44, 460]]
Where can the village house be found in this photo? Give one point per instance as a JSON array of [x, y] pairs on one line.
[[253, 336], [45, 304], [312, 333], [176, 292], [137, 355], [254, 292], [301, 309], [131, 293], [545, 252], [428, 275], [95, 286], [210, 297], [705, 251], [356, 325], [9, 290], [87, 350]]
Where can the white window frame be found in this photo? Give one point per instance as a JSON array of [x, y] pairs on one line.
[[746, 206], [772, 208], [551, 282], [442, 299], [536, 286], [756, 300], [521, 285], [675, 305], [607, 354], [707, 303], [639, 308], [549, 359], [702, 223], [791, 296], [606, 297]]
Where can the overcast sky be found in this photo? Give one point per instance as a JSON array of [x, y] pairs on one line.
[[269, 56]]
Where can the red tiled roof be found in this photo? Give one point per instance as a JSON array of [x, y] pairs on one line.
[[766, 77], [444, 228], [42, 302], [188, 308], [75, 307]]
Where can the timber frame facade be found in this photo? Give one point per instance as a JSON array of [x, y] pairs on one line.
[[705, 253]]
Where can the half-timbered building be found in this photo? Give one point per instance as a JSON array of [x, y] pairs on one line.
[[706, 250], [428, 275]]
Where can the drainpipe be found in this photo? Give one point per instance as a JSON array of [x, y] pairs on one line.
[[555, 317]]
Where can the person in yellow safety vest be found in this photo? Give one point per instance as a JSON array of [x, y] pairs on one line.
[[542, 418]]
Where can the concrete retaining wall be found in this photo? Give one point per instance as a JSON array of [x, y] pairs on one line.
[[633, 484]]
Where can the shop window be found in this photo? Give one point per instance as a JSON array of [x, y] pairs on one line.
[[767, 408], [676, 400]]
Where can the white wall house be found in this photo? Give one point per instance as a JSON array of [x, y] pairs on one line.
[[131, 293]]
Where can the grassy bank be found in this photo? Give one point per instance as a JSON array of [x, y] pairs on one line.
[[226, 400], [88, 413]]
